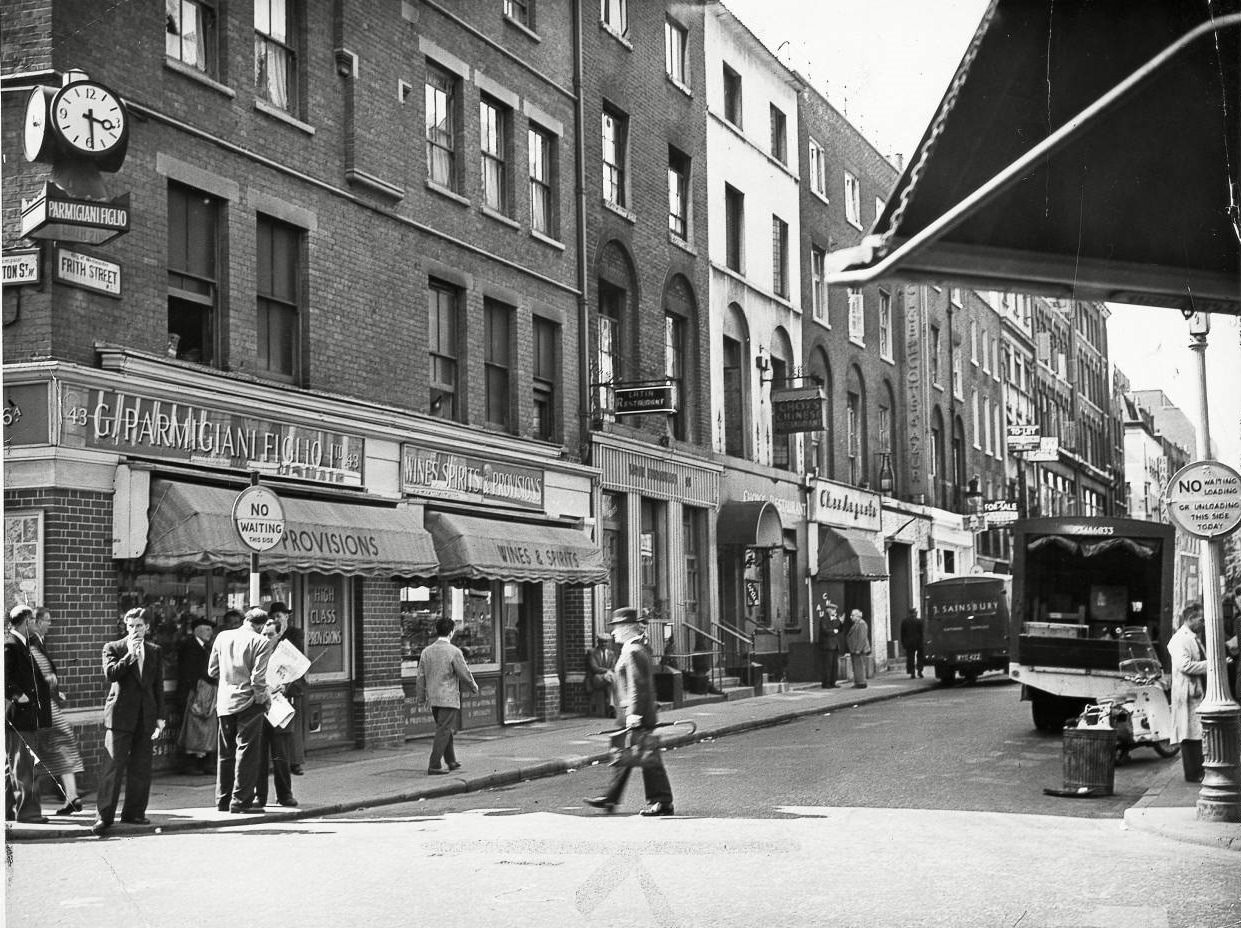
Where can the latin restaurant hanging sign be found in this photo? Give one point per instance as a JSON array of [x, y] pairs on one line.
[[448, 475], [130, 423]]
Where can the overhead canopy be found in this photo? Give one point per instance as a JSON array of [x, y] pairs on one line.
[[847, 554], [475, 548], [1083, 150], [754, 524], [191, 526]]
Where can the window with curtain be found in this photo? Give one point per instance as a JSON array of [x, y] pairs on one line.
[[818, 168], [615, 15], [853, 201], [542, 188], [885, 325], [278, 291], [857, 315], [818, 282], [674, 368], [444, 307], [276, 54], [615, 142], [678, 193], [519, 11], [611, 334], [190, 34], [493, 143], [193, 284], [441, 126], [675, 40], [853, 437], [545, 367]]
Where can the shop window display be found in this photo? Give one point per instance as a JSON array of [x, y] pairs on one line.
[[469, 605]]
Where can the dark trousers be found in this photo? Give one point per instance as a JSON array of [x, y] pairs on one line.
[[655, 782], [829, 666], [913, 657], [128, 760], [276, 744], [240, 749], [297, 731], [22, 785], [1191, 760], [445, 724]]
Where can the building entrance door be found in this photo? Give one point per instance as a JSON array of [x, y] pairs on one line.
[[517, 665]]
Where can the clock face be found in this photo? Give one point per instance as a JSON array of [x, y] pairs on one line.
[[36, 124], [88, 117]]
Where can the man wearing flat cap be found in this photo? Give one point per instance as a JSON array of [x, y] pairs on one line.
[[636, 707]]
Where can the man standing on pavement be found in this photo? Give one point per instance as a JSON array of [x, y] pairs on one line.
[[295, 690], [911, 641], [637, 707], [196, 694], [239, 660], [829, 642], [441, 674], [858, 642], [27, 708], [133, 717]]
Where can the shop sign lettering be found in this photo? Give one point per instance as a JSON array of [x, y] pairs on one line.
[[526, 555], [427, 472], [140, 425], [845, 506]]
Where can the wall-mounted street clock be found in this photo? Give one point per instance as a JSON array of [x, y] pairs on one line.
[[90, 121]]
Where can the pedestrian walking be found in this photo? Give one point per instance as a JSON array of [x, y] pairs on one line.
[[1189, 667], [133, 717], [858, 642], [196, 695], [828, 645], [911, 642], [239, 661], [58, 745], [27, 709], [441, 674], [637, 709]]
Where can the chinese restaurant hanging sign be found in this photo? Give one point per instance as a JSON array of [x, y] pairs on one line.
[[427, 472], [798, 409], [127, 423]]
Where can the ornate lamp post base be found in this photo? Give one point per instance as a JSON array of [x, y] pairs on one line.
[[1220, 797]]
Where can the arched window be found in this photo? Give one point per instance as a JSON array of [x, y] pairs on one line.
[[734, 408], [936, 457], [885, 478], [782, 446], [821, 453], [856, 440], [614, 360], [680, 354]]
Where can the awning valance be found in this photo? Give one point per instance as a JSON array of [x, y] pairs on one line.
[[846, 554], [191, 526], [1082, 150], [754, 524], [476, 548]]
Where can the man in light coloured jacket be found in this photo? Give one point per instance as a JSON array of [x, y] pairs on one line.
[[239, 661], [441, 674]]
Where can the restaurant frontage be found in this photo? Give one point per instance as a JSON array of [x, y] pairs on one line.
[[119, 490]]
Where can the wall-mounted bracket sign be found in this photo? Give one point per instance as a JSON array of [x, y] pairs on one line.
[[644, 399], [53, 214], [1204, 499], [798, 409], [87, 272], [22, 266]]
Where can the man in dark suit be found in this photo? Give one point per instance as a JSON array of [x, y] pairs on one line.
[[828, 642], [295, 690], [27, 708], [133, 717], [192, 657], [911, 641]]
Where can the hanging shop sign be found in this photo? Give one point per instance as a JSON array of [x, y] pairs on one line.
[[128, 423], [1000, 511], [1023, 437], [798, 409], [644, 399], [22, 266], [1047, 451], [87, 272], [53, 214], [445, 475]]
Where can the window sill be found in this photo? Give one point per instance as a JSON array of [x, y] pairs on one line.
[[172, 64], [887, 357], [684, 88], [620, 211], [276, 113], [860, 342], [853, 222], [445, 192], [821, 196], [500, 217], [681, 243], [822, 320], [522, 28], [546, 239], [619, 37]]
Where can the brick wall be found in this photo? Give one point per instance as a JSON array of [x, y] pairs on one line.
[[378, 702], [576, 631]]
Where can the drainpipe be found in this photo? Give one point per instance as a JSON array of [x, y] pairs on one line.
[[583, 318]]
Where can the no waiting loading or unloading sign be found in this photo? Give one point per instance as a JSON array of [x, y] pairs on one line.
[[1204, 499]]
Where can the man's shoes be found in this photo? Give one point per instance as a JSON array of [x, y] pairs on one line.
[[38, 820], [657, 809], [601, 802], [289, 803], [919, 674], [859, 686], [454, 765], [245, 808], [260, 803], [73, 805], [296, 769], [221, 806], [437, 771], [100, 828], [140, 820]]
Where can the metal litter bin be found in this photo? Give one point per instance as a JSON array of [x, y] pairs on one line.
[[1090, 761]]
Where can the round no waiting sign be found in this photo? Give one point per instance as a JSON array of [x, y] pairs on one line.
[[1204, 499], [259, 518]]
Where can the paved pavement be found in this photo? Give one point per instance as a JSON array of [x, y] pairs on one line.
[[350, 780]]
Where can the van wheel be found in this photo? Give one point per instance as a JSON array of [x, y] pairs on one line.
[[1047, 711], [945, 674], [1166, 748], [971, 677]]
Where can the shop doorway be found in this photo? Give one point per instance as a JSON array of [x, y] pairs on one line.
[[519, 603]]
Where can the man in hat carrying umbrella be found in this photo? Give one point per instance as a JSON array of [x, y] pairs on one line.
[[637, 707]]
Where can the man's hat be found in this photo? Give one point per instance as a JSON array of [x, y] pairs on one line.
[[201, 620], [277, 606], [625, 615], [913, 613]]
